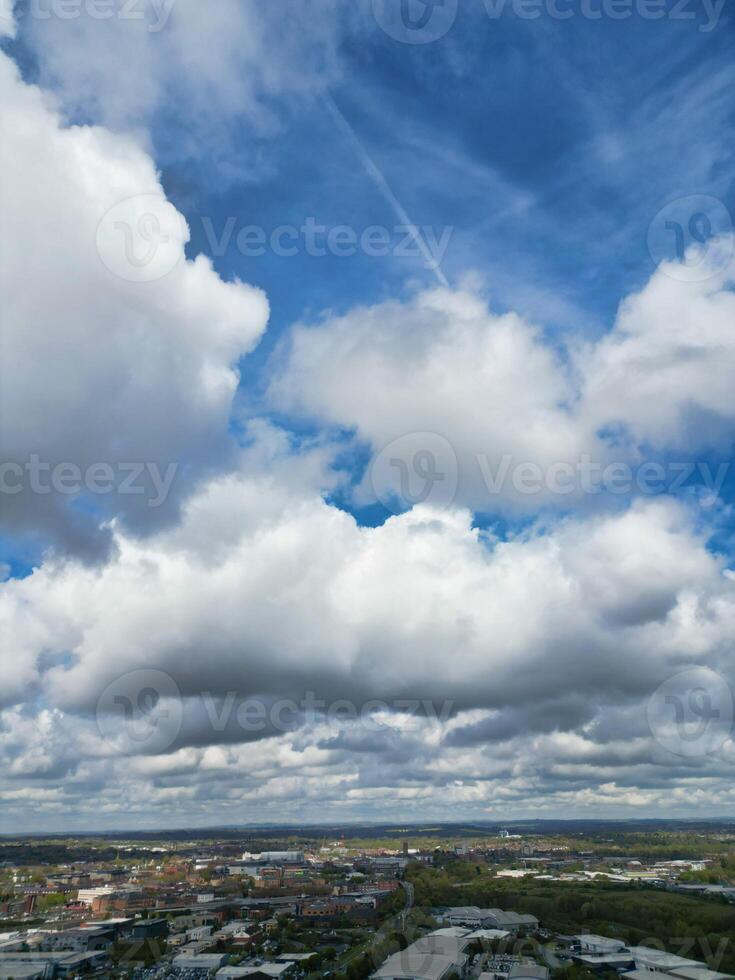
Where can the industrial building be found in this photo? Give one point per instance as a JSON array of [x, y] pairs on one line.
[[602, 955], [199, 961], [47, 965], [274, 857], [476, 918], [433, 957], [266, 971], [410, 964]]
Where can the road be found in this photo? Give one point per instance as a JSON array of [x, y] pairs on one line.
[[549, 958], [408, 889]]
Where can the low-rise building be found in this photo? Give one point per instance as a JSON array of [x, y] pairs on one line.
[[605, 962], [697, 973], [79, 940], [515, 922], [149, 929], [48, 964], [488, 935], [87, 895], [590, 943], [476, 918], [293, 958], [528, 971], [23, 971], [199, 961], [274, 857], [433, 957], [466, 915], [659, 961], [266, 971], [409, 964], [700, 972]]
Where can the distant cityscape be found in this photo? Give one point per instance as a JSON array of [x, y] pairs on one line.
[[353, 908]]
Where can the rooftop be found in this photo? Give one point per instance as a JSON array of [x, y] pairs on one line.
[[698, 973], [660, 960], [411, 963]]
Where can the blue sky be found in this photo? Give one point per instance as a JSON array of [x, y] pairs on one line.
[[573, 178], [546, 146]]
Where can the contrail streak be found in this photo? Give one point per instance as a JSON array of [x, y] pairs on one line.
[[383, 186]]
